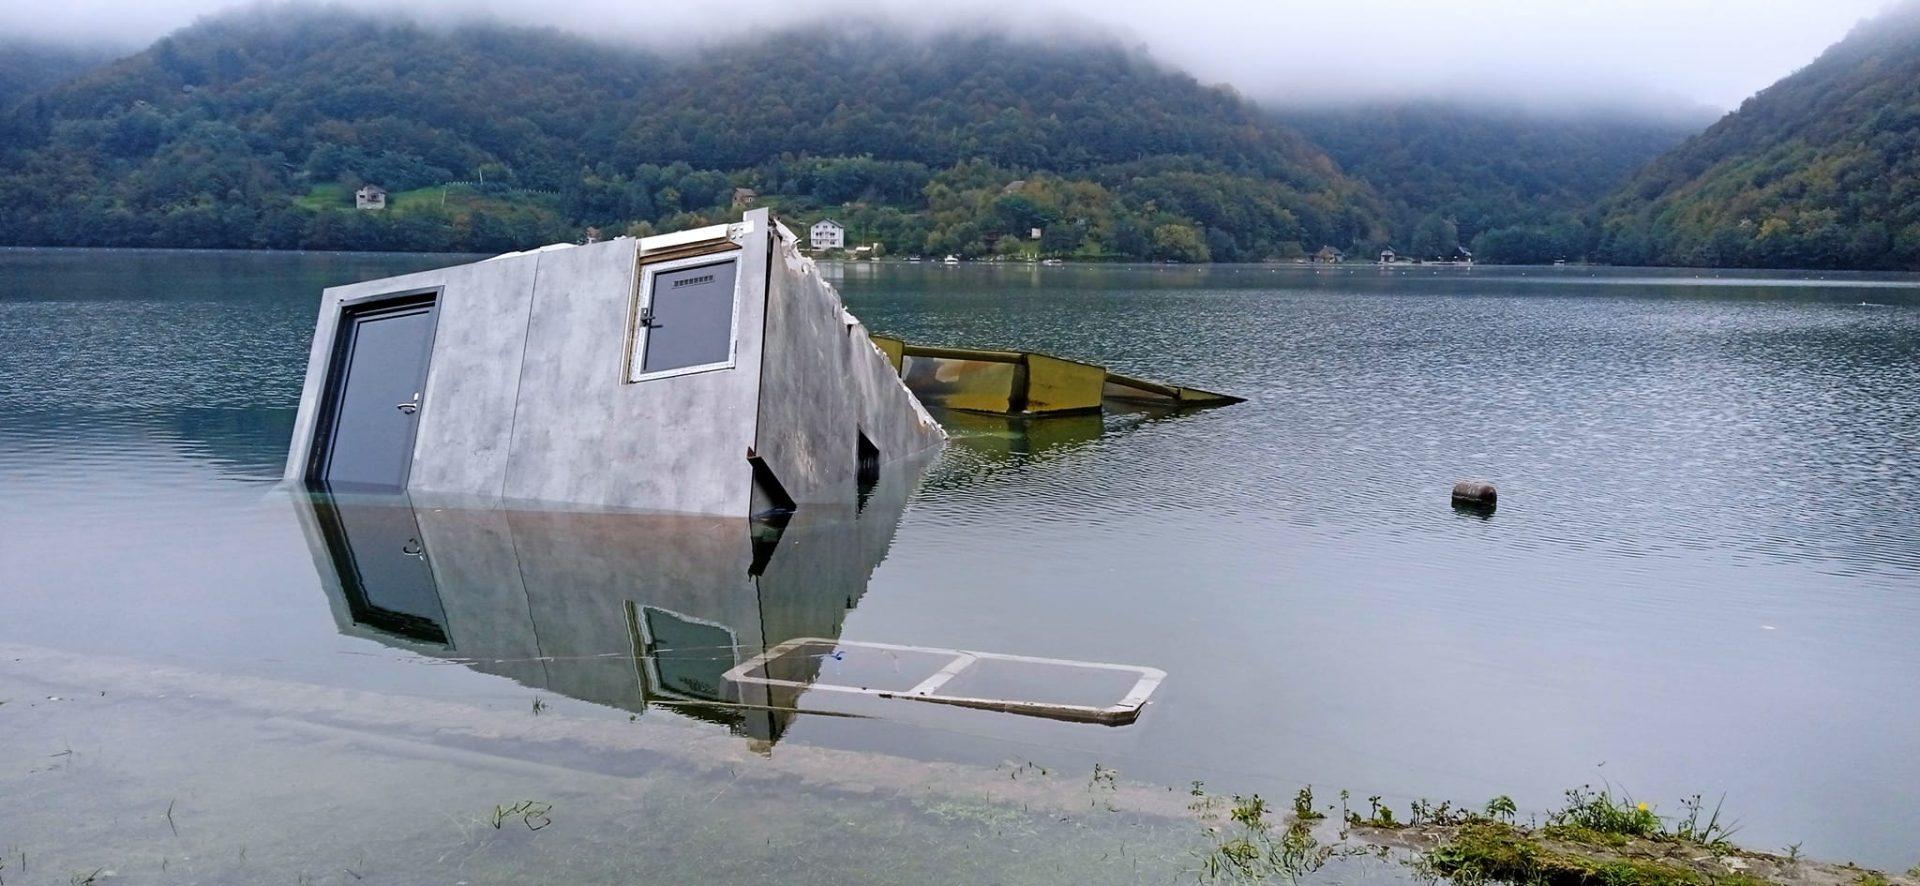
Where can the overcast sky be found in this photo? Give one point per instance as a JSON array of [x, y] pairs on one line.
[[1576, 53]]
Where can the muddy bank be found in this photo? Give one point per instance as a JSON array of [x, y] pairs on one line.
[[1490, 850], [665, 786]]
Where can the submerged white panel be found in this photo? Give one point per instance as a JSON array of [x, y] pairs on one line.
[[1056, 688]]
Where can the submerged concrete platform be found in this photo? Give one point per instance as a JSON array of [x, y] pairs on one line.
[[710, 371]]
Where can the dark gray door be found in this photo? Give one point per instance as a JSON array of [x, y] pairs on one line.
[[380, 374]]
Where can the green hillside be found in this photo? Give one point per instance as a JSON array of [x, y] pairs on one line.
[[1820, 170], [251, 130], [1515, 185], [28, 66]]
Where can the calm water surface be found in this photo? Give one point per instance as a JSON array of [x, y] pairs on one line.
[[1703, 577]]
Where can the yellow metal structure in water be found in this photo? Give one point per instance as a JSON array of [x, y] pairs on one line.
[[1026, 383]]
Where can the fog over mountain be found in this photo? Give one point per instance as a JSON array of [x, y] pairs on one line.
[[1625, 54]]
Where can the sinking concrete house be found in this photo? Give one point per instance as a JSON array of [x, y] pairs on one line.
[[709, 371]]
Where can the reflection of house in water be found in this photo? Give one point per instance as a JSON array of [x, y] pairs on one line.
[[620, 609]]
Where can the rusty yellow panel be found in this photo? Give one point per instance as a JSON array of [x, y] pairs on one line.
[[894, 348], [1197, 397], [1056, 385], [1120, 387], [975, 385], [965, 354]]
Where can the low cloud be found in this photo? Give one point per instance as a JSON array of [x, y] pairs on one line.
[[1546, 54]]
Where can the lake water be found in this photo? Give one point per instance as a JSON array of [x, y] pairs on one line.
[[1703, 577]]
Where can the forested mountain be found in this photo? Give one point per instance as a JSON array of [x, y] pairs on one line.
[[1820, 170], [27, 66], [1515, 184], [251, 130]]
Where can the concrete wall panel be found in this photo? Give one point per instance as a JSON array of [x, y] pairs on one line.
[[822, 383], [466, 414], [466, 417], [583, 435], [893, 418], [808, 421]]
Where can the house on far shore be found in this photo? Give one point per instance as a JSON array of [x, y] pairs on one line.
[[744, 198], [1462, 255], [828, 234], [1387, 257], [370, 197], [1329, 256]]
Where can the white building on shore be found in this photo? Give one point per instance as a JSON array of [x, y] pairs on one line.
[[828, 234]]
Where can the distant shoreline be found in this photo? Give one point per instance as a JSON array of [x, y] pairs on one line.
[[1913, 276]]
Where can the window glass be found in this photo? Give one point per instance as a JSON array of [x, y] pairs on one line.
[[689, 317]]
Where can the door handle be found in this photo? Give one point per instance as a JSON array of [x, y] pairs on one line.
[[411, 406]]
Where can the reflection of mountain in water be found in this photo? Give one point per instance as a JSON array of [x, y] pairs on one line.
[[250, 441], [619, 609]]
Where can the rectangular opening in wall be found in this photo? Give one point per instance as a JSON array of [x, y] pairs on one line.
[[769, 494], [686, 317], [866, 466]]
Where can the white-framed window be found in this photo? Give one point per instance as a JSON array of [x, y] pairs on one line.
[[686, 317]]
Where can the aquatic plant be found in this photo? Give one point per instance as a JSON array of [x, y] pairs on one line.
[[1708, 833], [1483, 851], [1250, 811], [1603, 813], [1379, 815], [533, 813], [1303, 806], [1246, 848]]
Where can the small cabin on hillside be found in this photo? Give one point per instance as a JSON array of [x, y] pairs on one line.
[[370, 197], [827, 234]]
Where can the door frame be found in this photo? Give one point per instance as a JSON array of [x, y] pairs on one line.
[[320, 448]]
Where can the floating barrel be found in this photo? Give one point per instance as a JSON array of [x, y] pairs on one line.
[[1475, 494]]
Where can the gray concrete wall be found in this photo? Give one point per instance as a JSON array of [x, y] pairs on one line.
[[466, 413], [584, 435], [823, 382], [527, 397]]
